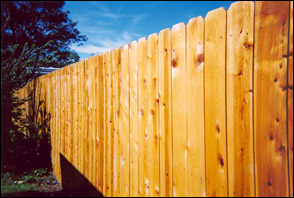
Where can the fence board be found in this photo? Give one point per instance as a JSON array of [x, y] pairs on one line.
[[100, 102], [111, 118], [240, 23], [116, 165], [99, 119], [215, 107], [119, 121], [108, 122], [142, 101], [86, 116], [95, 164], [53, 120], [62, 114], [195, 107], [179, 109], [68, 112], [83, 117], [106, 125], [66, 119], [270, 74], [152, 112], [125, 185], [79, 116], [91, 113], [74, 114], [58, 116], [71, 111], [134, 141], [165, 128], [290, 99]]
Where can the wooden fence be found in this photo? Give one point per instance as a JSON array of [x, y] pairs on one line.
[[203, 109]]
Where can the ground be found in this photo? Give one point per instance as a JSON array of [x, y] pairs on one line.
[[39, 182]]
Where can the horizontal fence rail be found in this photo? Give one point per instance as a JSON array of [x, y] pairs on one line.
[[203, 109]]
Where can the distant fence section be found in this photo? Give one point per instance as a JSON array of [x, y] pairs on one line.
[[203, 109]]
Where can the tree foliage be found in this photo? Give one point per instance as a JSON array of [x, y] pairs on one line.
[[38, 22], [33, 34]]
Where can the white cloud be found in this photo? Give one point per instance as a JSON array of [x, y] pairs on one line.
[[90, 49], [138, 18], [105, 12], [127, 36]]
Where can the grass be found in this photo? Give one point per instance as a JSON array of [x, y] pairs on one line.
[[17, 188], [14, 183]]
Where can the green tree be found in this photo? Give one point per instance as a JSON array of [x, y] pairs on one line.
[[33, 34], [38, 22]]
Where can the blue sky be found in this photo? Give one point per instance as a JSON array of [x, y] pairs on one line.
[[111, 24]]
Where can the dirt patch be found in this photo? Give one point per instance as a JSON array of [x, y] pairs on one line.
[[48, 184]]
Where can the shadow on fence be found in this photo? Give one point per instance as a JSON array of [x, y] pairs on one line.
[[29, 146], [74, 183]]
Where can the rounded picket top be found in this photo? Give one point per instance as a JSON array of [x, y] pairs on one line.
[[178, 26], [216, 11]]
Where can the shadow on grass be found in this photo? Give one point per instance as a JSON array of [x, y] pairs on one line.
[[73, 182]]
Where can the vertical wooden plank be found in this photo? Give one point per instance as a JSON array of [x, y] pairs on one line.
[[165, 123], [119, 120], [114, 89], [100, 105], [66, 119], [93, 121], [70, 112], [142, 115], [74, 114], [83, 117], [240, 23], [96, 124], [53, 120], [58, 123], [270, 82], [43, 107], [87, 151], [290, 99], [215, 104], [49, 111], [79, 115], [179, 109], [125, 123], [47, 105], [112, 118], [36, 102], [37, 114], [108, 121], [116, 155], [195, 107], [134, 141], [27, 94], [152, 112], [40, 107], [52, 125], [111, 122], [106, 125], [89, 106], [62, 114]]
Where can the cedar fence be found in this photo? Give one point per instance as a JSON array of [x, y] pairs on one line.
[[203, 109]]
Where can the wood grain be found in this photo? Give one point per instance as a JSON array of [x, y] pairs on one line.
[[270, 78], [179, 110], [195, 107], [215, 104], [240, 24], [165, 123]]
